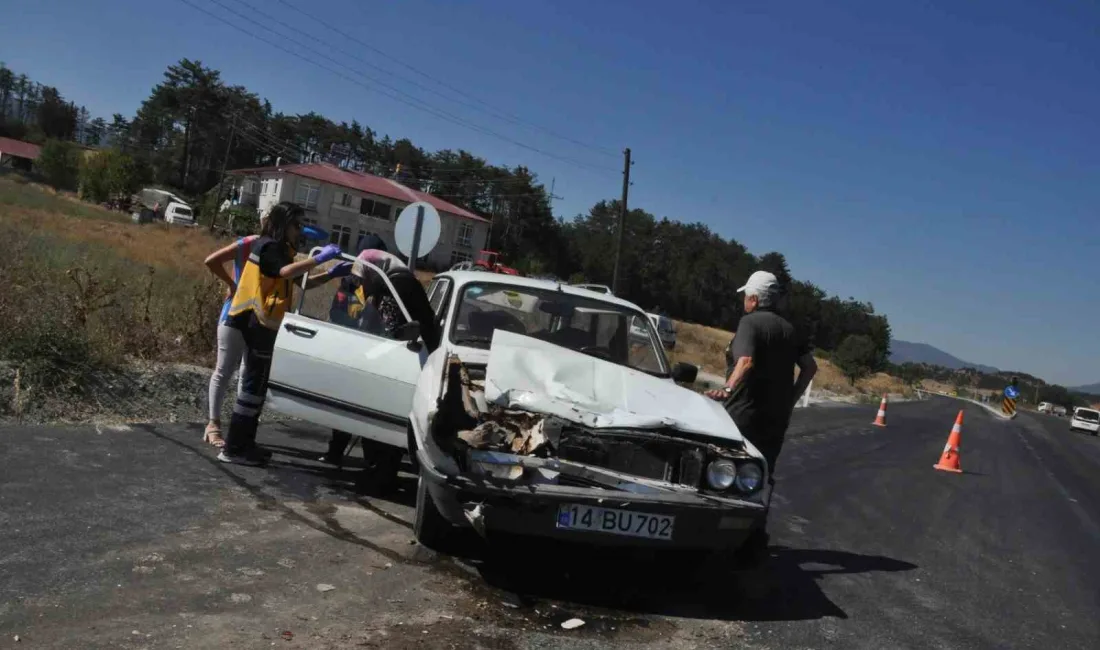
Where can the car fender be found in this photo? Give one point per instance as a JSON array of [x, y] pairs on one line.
[[429, 386]]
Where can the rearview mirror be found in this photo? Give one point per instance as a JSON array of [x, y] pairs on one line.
[[408, 332], [684, 373]]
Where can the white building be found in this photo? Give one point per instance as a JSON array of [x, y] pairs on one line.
[[349, 204]]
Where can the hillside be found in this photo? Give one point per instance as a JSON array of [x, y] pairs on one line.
[[1090, 389], [908, 352]]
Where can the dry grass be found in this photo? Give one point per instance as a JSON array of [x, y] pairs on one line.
[[705, 347], [830, 378], [701, 346]]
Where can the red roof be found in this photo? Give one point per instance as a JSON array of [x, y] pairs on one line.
[[19, 149], [363, 182]]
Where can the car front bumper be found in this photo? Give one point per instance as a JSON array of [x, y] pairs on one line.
[[702, 522]]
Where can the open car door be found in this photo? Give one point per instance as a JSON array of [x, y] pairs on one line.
[[331, 370]]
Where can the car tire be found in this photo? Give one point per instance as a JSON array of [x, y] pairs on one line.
[[382, 462], [430, 528], [411, 443], [754, 552]]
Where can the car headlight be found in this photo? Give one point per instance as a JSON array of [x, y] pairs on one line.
[[721, 474], [750, 478]]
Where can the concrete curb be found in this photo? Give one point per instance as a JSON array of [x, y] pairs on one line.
[[996, 412]]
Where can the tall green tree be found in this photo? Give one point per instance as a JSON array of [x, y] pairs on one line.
[[856, 357]]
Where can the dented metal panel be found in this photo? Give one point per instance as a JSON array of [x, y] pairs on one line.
[[524, 373]]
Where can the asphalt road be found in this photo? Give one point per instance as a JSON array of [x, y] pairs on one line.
[[137, 538]]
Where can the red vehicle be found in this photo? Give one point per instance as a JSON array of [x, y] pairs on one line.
[[490, 261]]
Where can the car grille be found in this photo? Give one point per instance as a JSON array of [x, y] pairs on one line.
[[668, 460]]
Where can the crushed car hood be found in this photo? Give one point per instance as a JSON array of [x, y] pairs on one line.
[[532, 375]]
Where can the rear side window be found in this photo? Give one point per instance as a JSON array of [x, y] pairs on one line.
[[1088, 415]]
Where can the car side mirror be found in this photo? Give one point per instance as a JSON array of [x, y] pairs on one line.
[[408, 332], [685, 373]]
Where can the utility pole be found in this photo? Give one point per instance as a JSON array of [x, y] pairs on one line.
[[553, 197], [622, 220], [225, 164]]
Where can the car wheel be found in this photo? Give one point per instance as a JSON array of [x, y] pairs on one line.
[[431, 529], [382, 461], [754, 552], [412, 451]]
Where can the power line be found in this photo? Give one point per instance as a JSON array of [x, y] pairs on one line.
[[488, 109], [413, 102]]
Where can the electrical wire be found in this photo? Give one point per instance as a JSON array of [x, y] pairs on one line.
[[412, 101], [484, 107]]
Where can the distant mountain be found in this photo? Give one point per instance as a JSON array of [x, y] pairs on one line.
[[906, 352], [1091, 389]]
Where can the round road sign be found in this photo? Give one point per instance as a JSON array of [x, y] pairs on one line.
[[430, 229], [1011, 392]]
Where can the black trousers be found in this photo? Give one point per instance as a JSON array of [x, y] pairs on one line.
[[768, 437], [260, 342]]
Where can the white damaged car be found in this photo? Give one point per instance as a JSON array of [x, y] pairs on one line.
[[540, 413]]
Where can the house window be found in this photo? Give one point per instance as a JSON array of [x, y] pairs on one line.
[[465, 237], [306, 195], [248, 187], [460, 256], [376, 209], [344, 199], [341, 235]]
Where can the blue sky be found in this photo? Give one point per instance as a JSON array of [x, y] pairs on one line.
[[938, 159]]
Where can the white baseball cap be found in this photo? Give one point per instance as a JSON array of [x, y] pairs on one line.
[[761, 283]]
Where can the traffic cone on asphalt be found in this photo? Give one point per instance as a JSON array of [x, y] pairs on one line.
[[949, 460], [880, 419]]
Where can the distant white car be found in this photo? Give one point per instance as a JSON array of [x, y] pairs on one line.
[[179, 214], [1085, 420], [1046, 407], [598, 288], [539, 414], [665, 330], [463, 266]]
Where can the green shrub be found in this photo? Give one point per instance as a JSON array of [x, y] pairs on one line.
[[59, 164]]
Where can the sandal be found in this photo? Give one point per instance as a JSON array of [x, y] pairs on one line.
[[213, 435]]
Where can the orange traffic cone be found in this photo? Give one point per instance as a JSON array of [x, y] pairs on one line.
[[949, 460], [880, 419]]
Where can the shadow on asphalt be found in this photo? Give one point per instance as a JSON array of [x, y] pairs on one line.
[[785, 587]]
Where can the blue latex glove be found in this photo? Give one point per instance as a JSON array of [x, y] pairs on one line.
[[327, 253], [340, 270]]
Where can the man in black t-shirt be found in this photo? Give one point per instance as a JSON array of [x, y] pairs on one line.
[[760, 390]]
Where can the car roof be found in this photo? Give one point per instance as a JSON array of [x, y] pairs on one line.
[[462, 278]]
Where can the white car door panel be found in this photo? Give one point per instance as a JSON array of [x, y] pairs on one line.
[[343, 378]]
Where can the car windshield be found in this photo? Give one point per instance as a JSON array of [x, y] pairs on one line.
[[186, 212], [1087, 415], [587, 325]]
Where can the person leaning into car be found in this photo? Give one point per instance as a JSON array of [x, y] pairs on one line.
[[760, 391]]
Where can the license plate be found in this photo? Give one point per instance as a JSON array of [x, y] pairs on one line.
[[615, 521]]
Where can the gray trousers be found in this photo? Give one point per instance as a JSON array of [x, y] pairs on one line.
[[231, 349]]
